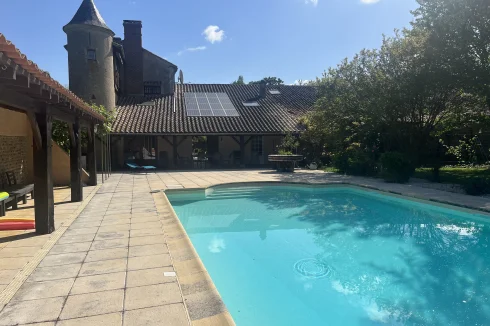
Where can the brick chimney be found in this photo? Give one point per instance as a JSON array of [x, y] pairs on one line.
[[262, 89], [133, 51]]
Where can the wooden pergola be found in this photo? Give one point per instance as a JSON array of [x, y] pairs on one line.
[[26, 88]]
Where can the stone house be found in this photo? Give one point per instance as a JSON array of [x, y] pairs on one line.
[[157, 119]]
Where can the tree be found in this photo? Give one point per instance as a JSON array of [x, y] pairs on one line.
[[61, 136], [269, 81], [459, 35], [239, 81]]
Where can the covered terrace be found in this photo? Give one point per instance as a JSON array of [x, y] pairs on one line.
[[29, 90]]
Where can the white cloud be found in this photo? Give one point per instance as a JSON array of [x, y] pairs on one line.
[[313, 2], [217, 245], [368, 2], [299, 82], [213, 34], [197, 48]]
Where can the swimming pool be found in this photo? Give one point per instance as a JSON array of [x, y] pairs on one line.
[[293, 255]]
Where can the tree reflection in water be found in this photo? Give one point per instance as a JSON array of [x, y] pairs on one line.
[[437, 258]]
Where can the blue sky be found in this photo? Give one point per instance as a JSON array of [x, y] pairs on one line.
[[290, 39]]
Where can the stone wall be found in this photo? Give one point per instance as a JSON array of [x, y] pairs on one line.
[[13, 157]]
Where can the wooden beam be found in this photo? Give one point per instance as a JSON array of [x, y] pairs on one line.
[[249, 139], [175, 152], [43, 182], [71, 134], [235, 139], [182, 140], [242, 151], [76, 163], [168, 141], [16, 100], [36, 133]]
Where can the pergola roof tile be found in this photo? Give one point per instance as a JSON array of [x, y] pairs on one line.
[[12, 53]]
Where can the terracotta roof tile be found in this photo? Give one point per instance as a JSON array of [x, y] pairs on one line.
[[276, 113], [14, 54]]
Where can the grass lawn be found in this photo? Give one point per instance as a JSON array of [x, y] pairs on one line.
[[456, 175]]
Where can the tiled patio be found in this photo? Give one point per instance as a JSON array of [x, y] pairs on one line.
[[112, 264], [17, 248]]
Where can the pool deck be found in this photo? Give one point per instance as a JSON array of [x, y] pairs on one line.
[[112, 259]]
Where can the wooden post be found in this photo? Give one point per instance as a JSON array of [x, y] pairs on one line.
[[242, 151], [91, 156], [76, 164], [174, 144], [43, 182]]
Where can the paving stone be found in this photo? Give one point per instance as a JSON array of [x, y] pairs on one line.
[[108, 244], [152, 295], [13, 263], [114, 319], [75, 231], [92, 304], [54, 273], [115, 222], [216, 320], [103, 267], [169, 315], [140, 241], [97, 283], [34, 241], [7, 275], [111, 235], [107, 254], [114, 228], [146, 262], [18, 252], [32, 311], [76, 238], [71, 247], [149, 276], [46, 289], [82, 225], [146, 232], [146, 225], [204, 304], [63, 259], [148, 250]]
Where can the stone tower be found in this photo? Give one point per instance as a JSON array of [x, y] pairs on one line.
[[90, 56]]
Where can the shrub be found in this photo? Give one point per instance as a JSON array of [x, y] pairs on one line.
[[354, 161], [396, 167], [477, 187]]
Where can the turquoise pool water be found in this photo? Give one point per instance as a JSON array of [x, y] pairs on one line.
[[339, 256]]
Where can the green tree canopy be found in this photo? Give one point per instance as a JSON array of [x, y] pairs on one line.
[[239, 81], [269, 81]]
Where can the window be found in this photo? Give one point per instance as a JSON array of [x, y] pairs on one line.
[[147, 103], [91, 55], [257, 145], [152, 88], [252, 103]]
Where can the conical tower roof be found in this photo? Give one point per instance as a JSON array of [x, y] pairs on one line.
[[88, 14]]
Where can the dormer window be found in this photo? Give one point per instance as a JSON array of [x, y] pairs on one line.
[[91, 55]]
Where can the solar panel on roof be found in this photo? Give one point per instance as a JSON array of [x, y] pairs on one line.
[[209, 105]]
